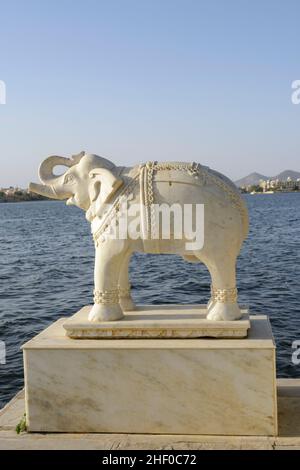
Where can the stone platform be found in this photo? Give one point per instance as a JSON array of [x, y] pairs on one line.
[[288, 392], [158, 321], [154, 386]]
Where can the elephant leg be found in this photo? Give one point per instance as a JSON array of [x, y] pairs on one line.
[[106, 294], [223, 303], [126, 301]]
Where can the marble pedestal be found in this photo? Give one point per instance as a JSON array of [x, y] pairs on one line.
[[158, 386]]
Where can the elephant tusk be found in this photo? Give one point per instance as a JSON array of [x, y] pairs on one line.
[[71, 201]]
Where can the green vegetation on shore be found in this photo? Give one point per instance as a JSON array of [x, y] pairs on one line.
[[20, 196]]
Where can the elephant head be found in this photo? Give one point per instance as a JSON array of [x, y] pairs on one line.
[[87, 179]]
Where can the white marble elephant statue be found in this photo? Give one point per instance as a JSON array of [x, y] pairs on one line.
[[104, 190]]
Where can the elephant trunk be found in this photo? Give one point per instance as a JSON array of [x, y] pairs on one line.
[[43, 190], [46, 167]]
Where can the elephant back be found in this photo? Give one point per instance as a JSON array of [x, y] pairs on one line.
[[189, 173]]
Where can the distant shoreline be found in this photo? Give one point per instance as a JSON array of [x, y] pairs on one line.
[[253, 193], [25, 197], [35, 197], [29, 200]]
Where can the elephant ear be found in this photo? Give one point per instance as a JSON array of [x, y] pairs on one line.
[[104, 183]]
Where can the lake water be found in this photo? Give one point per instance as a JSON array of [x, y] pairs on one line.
[[46, 272]]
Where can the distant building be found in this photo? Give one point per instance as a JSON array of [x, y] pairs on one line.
[[277, 185], [12, 191]]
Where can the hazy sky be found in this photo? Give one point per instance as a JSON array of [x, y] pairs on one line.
[[206, 81]]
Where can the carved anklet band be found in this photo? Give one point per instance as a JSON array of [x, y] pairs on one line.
[[106, 297], [224, 295], [124, 292]]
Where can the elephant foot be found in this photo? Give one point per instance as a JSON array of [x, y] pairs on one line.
[[127, 304], [220, 311], [105, 312]]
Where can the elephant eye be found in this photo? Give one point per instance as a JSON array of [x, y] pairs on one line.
[[69, 179]]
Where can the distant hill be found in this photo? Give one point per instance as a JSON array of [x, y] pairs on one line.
[[284, 175], [254, 178], [250, 180]]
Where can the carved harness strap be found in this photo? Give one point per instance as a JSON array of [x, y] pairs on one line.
[[147, 208], [147, 197]]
